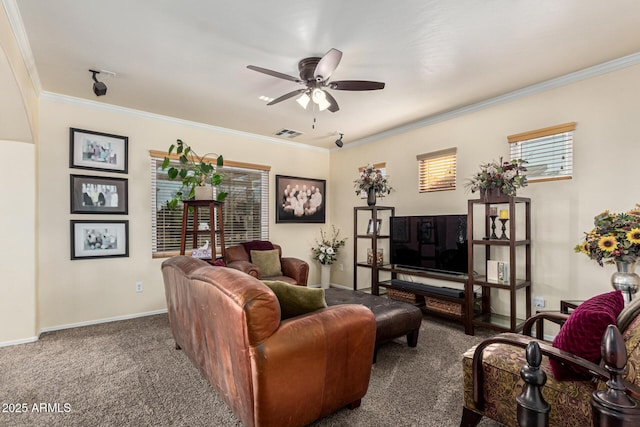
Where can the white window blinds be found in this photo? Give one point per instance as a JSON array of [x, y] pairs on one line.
[[245, 210], [437, 170], [548, 152]]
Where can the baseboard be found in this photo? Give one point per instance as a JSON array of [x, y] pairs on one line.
[[98, 321], [16, 342]]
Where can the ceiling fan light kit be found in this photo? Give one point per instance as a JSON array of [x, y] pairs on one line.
[[314, 75]]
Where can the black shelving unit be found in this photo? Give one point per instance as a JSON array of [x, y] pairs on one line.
[[518, 245], [371, 241]]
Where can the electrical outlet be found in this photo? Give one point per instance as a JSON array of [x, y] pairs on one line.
[[138, 286], [538, 302], [341, 267]]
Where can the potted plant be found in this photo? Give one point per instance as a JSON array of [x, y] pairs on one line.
[[373, 183], [503, 177], [195, 172], [326, 253]]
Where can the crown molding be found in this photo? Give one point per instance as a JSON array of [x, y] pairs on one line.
[[66, 99], [17, 26], [567, 79]]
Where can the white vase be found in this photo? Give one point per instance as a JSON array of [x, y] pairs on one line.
[[325, 276]]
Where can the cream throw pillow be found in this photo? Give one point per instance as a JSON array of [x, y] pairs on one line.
[[268, 262]]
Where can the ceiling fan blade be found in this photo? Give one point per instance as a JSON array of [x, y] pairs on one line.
[[274, 73], [287, 96], [334, 104], [356, 85], [327, 65]]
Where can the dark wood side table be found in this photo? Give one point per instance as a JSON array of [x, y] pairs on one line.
[[566, 305]]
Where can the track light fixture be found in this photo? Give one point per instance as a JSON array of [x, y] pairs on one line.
[[99, 88], [339, 142]]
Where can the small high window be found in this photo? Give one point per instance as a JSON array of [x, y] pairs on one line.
[[548, 152], [437, 170]]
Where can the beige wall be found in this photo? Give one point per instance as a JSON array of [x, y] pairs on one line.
[[18, 309], [18, 118], [42, 289], [607, 146], [81, 291]]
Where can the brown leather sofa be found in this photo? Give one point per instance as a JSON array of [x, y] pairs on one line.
[[269, 372], [294, 271]]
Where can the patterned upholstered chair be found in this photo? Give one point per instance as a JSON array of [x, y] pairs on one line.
[[491, 373]]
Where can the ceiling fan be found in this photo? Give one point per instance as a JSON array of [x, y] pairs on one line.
[[314, 76]]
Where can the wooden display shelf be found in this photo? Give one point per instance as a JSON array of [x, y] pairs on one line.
[[481, 280], [518, 246], [498, 322]]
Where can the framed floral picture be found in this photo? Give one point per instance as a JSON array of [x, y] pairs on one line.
[[97, 151], [300, 200]]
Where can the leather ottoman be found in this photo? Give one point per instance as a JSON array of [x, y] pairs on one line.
[[393, 318]]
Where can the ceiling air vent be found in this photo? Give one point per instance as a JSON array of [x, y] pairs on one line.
[[288, 133]]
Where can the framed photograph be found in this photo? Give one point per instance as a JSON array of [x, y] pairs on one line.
[[300, 200], [99, 194], [370, 226], [99, 239], [97, 151]]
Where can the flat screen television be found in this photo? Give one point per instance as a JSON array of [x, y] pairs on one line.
[[430, 242]]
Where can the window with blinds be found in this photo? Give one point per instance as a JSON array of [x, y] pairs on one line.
[[548, 152], [245, 210], [437, 170]]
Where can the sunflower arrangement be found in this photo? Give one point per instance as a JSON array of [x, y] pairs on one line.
[[326, 251], [616, 237]]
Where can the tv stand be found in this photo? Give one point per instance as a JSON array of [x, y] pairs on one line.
[[439, 300]]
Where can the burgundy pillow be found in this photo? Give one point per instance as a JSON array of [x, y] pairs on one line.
[[258, 245], [219, 263], [582, 332]]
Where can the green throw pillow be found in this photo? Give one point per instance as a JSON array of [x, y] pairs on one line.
[[268, 262], [296, 300]]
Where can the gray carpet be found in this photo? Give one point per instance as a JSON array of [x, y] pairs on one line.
[[127, 373]]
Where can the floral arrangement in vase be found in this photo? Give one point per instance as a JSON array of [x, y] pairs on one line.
[[326, 251], [616, 237], [505, 176], [372, 179]]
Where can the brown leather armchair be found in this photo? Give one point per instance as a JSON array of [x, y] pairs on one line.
[[294, 271], [491, 372]]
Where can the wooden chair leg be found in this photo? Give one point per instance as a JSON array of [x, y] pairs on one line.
[[470, 418]]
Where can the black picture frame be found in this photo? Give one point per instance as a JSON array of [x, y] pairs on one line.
[[370, 226], [99, 239], [98, 151], [300, 200], [99, 195]]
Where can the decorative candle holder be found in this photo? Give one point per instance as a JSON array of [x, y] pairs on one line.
[[504, 228], [493, 227]]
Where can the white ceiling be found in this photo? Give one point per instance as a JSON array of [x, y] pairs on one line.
[[187, 59]]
